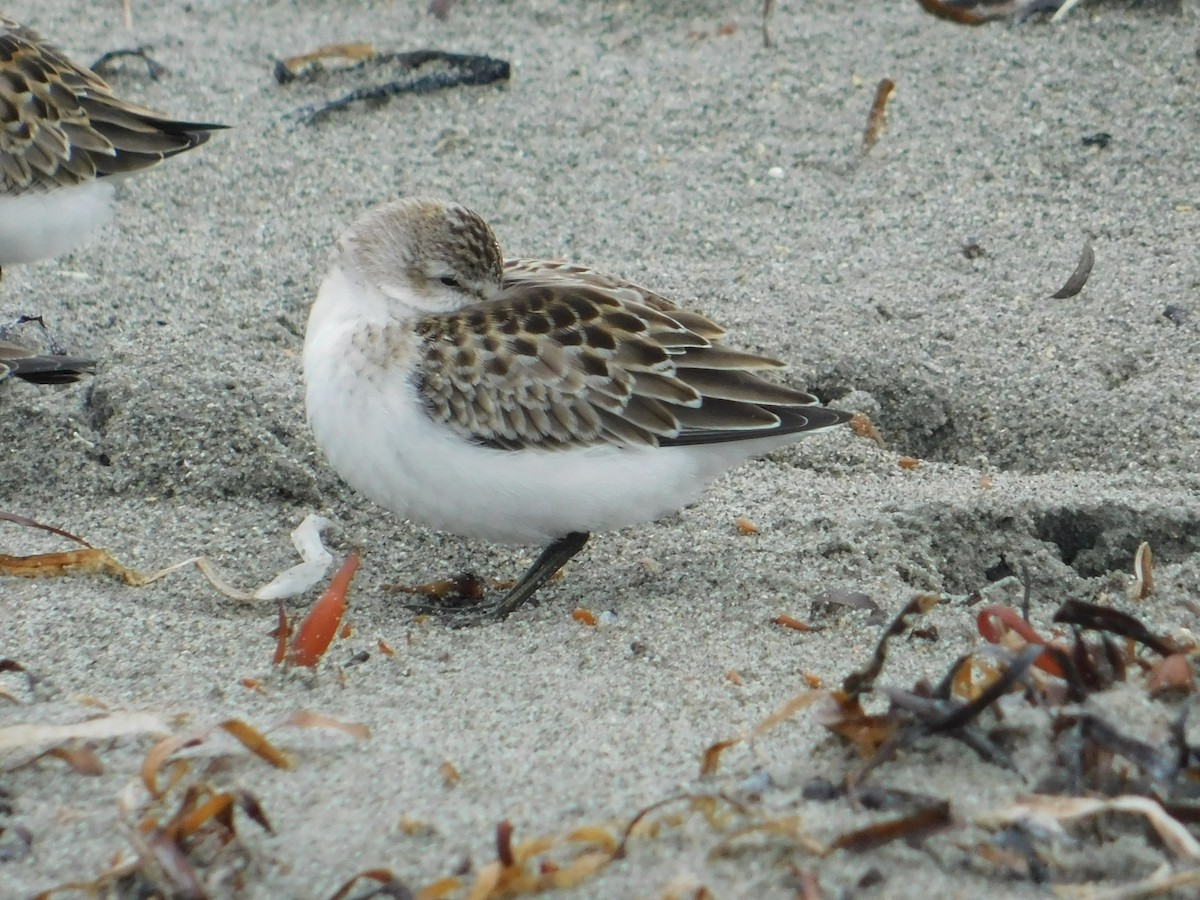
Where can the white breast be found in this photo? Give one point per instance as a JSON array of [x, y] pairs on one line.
[[44, 224]]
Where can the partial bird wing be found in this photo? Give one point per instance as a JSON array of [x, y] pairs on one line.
[[21, 362], [565, 357], [60, 124]]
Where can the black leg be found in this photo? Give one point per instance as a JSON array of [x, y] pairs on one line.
[[548, 562]]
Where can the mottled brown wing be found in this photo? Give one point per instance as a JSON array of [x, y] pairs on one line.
[[565, 357], [60, 125]]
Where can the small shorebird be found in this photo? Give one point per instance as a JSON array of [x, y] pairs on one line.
[[64, 141], [524, 401]]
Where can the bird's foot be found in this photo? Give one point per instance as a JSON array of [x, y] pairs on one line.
[[7, 329], [463, 616], [478, 612]]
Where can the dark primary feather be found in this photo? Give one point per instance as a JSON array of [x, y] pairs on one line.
[[20, 362], [565, 357], [60, 124], [792, 420]]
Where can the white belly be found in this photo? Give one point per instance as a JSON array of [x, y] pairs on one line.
[[385, 447], [41, 225]]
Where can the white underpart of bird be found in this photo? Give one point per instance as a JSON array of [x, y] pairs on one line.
[[47, 224], [523, 401]]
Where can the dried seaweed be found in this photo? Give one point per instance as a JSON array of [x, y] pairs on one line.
[[26, 522], [415, 72], [170, 855], [712, 755], [82, 760], [845, 715], [963, 714], [785, 621], [913, 716], [1122, 772], [97, 561], [311, 64], [387, 885], [11, 665], [877, 118], [991, 622], [514, 872], [316, 632], [1171, 674], [1047, 809], [252, 739], [23, 744], [863, 680], [186, 826], [790, 828], [463, 589], [1111, 621], [912, 828]]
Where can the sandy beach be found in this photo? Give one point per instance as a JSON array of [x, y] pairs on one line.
[[662, 142]]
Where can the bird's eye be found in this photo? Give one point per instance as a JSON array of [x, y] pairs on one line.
[[450, 281]]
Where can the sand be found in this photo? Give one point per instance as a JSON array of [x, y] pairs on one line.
[[1054, 434]]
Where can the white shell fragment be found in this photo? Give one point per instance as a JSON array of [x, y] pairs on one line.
[[298, 579]]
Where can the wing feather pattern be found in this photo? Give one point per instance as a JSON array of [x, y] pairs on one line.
[[60, 124], [565, 357]]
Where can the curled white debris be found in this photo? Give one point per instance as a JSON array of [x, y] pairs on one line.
[[317, 560]]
